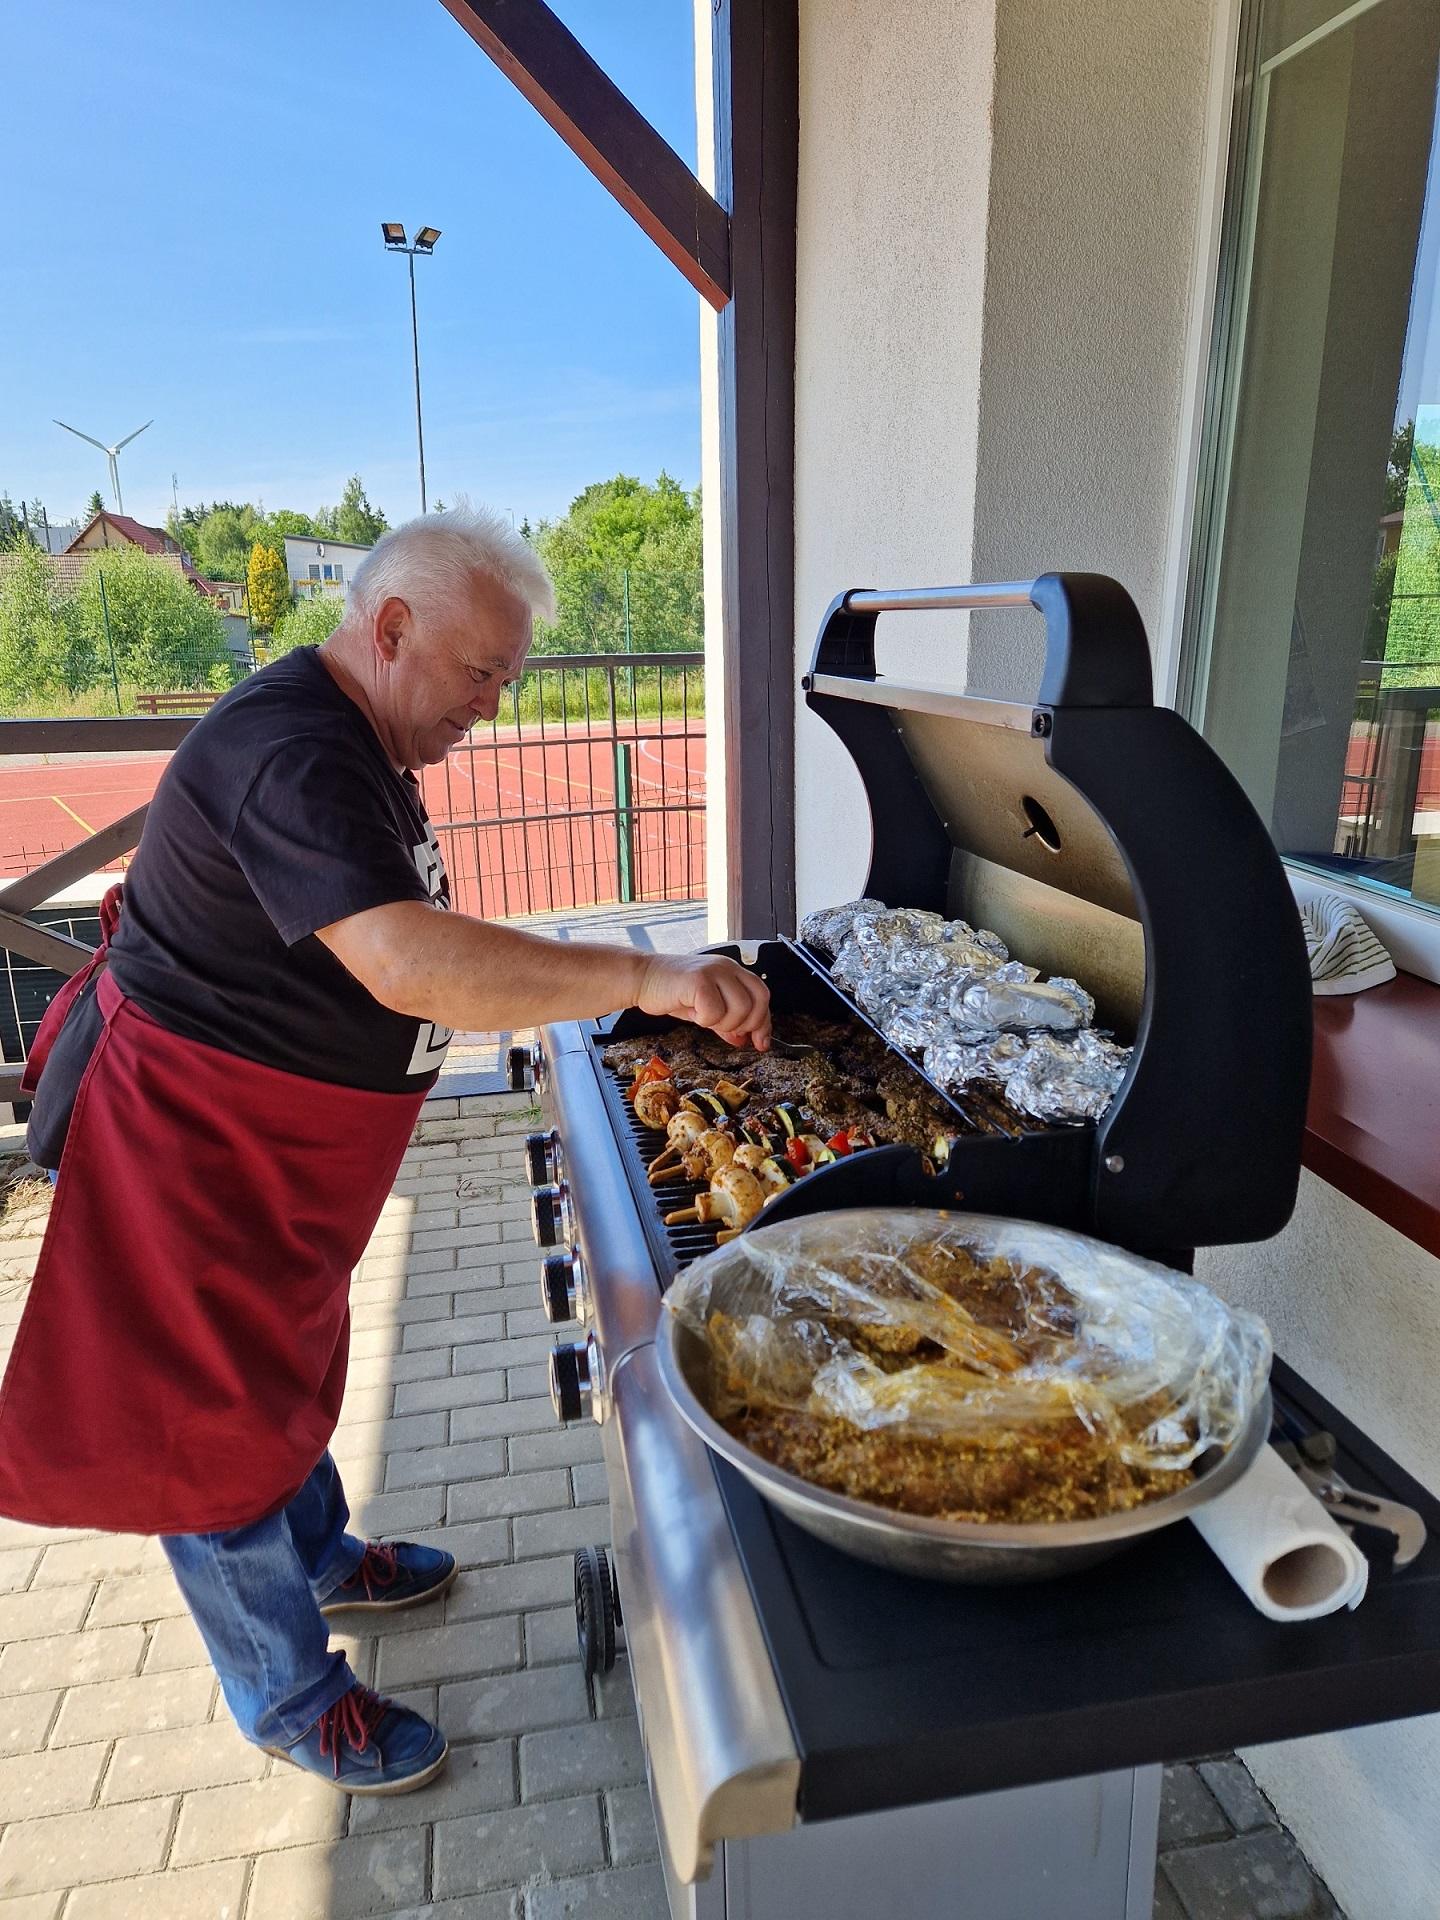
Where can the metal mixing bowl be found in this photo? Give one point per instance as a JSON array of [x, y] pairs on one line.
[[970, 1551]]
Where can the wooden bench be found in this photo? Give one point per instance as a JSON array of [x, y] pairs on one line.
[[173, 702]]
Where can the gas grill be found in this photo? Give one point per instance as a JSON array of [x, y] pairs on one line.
[[823, 1735]]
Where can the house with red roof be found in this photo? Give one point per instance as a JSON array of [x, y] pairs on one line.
[[120, 530]]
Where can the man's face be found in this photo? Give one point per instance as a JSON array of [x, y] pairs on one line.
[[438, 676]]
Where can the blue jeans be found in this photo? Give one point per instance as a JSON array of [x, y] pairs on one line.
[[254, 1593]]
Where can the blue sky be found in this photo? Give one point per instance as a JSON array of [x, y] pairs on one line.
[[195, 202]]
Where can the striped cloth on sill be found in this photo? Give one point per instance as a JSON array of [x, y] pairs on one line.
[[1345, 956]]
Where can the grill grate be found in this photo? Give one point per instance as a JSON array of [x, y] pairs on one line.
[[686, 1243]]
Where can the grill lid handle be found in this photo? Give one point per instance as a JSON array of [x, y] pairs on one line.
[[1096, 653]]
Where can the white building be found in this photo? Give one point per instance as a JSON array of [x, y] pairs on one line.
[[320, 566]]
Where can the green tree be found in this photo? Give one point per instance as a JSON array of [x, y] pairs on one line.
[[308, 623], [95, 504], [289, 520], [221, 541], [1413, 619], [268, 584], [1397, 471], [166, 635], [354, 520], [627, 569], [46, 647]]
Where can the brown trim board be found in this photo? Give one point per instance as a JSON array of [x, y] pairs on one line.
[[756, 55], [540, 55], [743, 263]]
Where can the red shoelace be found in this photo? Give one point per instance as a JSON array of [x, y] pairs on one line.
[[352, 1720], [379, 1568]]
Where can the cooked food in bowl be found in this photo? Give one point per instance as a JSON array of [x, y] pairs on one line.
[[968, 1370]]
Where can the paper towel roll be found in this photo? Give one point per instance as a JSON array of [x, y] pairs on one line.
[[1280, 1546]]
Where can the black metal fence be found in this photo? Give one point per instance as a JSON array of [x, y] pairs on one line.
[[588, 789]]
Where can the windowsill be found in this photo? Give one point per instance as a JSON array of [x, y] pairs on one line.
[[1374, 1116]]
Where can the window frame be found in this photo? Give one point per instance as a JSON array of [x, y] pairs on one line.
[[1219, 301]]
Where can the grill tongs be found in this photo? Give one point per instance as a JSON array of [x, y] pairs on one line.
[[1312, 1456]]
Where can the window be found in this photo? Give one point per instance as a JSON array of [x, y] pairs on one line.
[[329, 572], [1311, 652], [314, 570], [339, 573]]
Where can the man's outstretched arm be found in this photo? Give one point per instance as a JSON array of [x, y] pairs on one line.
[[476, 975]]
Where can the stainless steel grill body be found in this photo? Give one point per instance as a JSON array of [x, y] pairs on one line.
[[724, 1769]]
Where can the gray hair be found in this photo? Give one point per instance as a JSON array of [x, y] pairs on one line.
[[429, 561]]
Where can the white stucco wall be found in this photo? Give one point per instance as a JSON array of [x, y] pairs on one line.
[[1006, 212], [894, 171], [1356, 1307], [1095, 194]]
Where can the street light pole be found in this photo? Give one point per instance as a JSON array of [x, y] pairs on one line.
[[396, 242], [415, 345]]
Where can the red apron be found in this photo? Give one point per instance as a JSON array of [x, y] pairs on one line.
[[182, 1355]]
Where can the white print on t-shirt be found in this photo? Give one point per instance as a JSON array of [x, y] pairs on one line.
[[431, 1042]]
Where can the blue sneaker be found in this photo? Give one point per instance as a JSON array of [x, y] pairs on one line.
[[394, 1574], [365, 1744]]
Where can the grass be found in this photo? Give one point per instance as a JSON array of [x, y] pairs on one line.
[[570, 697]]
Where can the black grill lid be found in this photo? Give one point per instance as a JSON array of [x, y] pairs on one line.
[[1102, 838]]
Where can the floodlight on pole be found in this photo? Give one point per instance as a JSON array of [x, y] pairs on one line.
[[393, 234], [110, 453]]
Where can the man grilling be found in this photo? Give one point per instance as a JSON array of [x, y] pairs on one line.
[[234, 1082]]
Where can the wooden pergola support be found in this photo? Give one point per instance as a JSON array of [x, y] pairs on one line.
[[540, 55], [738, 252]]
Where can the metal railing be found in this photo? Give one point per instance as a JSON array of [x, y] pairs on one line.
[[588, 789], [1392, 763]]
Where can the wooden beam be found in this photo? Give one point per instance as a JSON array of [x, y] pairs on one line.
[[121, 735], [86, 856], [42, 944], [616, 142], [757, 135]]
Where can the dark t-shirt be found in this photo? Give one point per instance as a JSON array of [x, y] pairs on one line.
[[278, 814]]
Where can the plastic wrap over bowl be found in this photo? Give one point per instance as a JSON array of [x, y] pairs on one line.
[[1184, 1376]]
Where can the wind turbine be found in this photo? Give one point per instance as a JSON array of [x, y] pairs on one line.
[[110, 453]]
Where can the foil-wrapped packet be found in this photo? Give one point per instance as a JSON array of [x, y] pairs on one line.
[[970, 1057], [973, 947], [1072, 1078], [1023, 1006], [830, 927], [920, 1021], [949, 995]]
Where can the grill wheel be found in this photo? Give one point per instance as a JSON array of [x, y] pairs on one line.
[[597, 1610]]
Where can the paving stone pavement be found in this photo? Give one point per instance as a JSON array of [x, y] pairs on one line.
[[124, 1788], [125, 1792]]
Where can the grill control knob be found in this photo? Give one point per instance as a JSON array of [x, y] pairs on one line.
[[560, 1285], [547, 1215], [540, 1156], [572, 1384], [524, 1066]]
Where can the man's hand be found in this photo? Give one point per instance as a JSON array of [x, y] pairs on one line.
[[711, 991]]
